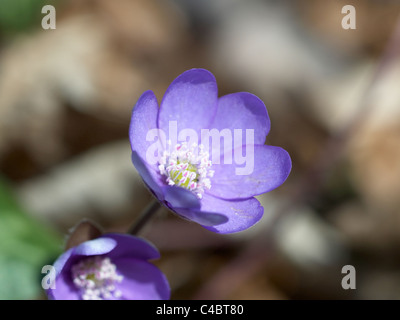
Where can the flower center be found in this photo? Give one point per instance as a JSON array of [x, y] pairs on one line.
[[186, 167], [96, 278]]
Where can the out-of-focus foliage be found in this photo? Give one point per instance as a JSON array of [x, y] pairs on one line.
[[25, 247], [20, 15]]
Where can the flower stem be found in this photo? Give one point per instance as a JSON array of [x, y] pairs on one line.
[[145, 217]]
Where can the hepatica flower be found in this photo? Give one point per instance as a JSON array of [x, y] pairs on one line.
[[205, 157], [112, 266]]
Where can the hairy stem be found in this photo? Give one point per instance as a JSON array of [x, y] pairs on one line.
[[145, 217]]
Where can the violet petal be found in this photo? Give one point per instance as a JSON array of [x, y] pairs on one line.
[[202, 217], [142, 280], [62, 260], [129, 246], [241, 214], [191, 101], [239, 112], [268, 168], [151, 178], [179, 197], [95, 247], [64, 289], [144, 119]]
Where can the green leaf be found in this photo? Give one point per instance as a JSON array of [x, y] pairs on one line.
[[21, 15], [26, 245]]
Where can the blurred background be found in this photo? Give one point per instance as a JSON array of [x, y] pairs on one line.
[[333, 97]]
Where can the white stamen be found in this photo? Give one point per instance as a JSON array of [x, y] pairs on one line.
[[96, 278], [187, 167]]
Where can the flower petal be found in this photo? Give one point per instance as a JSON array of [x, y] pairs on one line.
[[143, 120], [242, 111], [129, 246], [95, 247], [62, 260], [142, 280], [202, 217], [64, 289], [186, 204], [264, 168], [191, 101], [151, 178], [178, 197], [241, 214]]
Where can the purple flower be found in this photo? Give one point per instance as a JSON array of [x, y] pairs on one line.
[[112, 266], [205, 157]]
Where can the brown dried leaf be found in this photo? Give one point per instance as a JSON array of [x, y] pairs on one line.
[[83, 231]]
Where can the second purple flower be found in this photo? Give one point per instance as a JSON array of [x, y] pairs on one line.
[[111, 267]]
